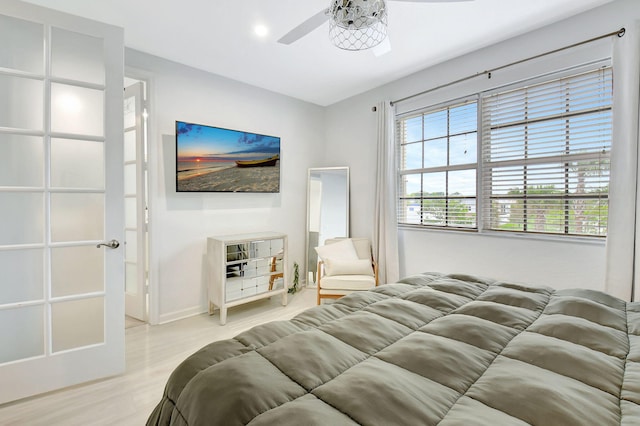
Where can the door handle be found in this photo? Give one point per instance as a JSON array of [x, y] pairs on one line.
[[113, 244]]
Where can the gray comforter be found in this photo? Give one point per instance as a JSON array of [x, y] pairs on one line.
[[431, 349]]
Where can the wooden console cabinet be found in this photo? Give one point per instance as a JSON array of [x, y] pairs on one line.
[[244, 268]]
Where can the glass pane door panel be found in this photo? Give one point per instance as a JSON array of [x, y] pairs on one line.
[[21, 103], [21, 333], [26, 50], [129, 112], [23, 274], [76, 270], [77, 323], [131, 246], [131, 282], [130, 212], [77, 164], [77, 56], [130, 145], [21, 160], [130, 179], [23, 223], [77, 217], [77, 110]]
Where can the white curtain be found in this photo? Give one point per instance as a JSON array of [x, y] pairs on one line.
[[385, 233], [621, 234]]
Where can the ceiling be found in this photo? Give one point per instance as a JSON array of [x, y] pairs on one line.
[[218, 36]]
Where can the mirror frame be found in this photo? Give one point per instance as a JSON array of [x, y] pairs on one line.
[[307, 249]]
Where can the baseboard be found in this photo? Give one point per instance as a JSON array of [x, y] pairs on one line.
[[178, 315], [197, 310]]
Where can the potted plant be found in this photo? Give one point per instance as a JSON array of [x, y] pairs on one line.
[[296, 277]]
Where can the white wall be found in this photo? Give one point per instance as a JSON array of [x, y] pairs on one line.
[[181, 222], [530, 260], [351, 135], [342, 134]]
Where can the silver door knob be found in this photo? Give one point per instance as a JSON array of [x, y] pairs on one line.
[[113, 244]]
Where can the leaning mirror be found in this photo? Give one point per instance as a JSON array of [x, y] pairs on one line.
[[327, 211]]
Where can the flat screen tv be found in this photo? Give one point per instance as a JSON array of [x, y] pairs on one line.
[[214, 159]]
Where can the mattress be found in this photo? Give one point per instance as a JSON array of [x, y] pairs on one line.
[[429, 349]]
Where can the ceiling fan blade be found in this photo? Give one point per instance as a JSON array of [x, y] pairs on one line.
[[305, 28]]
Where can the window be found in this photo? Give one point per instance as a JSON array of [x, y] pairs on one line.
[[546, 156], [544, 159], [439, 151]]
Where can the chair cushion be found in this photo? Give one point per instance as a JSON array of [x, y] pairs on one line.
[[347, 267], [348, 282], [343, 249], [335, 292]]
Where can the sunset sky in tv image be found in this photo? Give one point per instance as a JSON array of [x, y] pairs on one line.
[[205, 143]]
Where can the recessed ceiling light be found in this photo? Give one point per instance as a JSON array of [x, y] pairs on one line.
[[261, 30]]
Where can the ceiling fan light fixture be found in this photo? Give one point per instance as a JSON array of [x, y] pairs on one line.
[[357, 24]]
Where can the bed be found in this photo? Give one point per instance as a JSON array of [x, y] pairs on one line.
[[429, 349]]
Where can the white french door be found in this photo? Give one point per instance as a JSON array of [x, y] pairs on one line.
[[61, 197], [135, 203]]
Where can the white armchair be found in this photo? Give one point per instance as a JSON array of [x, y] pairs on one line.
[[346, 265]]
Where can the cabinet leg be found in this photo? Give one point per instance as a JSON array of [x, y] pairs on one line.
[[284, 297], [223, 316], [211, 308]]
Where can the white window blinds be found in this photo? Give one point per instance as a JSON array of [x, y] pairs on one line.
[[545, 156]]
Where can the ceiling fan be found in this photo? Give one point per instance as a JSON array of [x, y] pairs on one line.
[[353, 24]]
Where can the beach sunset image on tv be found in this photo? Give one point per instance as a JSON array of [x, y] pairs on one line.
[[214, 159]]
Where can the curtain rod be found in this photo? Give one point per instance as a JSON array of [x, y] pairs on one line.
[[619, 33]]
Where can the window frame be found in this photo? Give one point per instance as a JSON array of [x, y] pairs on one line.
[[481, 198], [446, 197]]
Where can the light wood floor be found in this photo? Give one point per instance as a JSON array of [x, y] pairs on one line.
[[152, 352], [131, 322]]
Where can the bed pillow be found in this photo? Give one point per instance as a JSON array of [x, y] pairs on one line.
[[334, 266], [343, 250]]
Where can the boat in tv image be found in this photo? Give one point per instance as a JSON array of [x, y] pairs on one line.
[[265, 162], [215, 159]]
